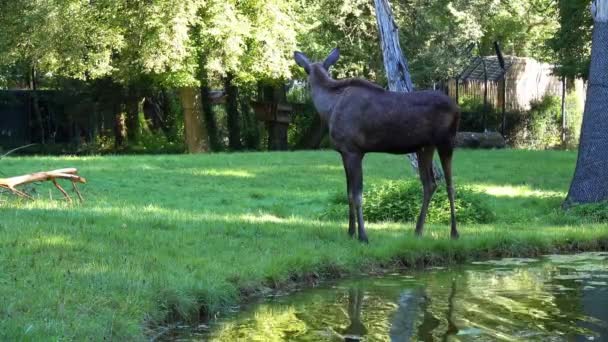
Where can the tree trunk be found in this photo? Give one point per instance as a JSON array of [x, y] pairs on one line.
[[232, 114], [132, 115], [208, 114], [196, 138], [120, 130], [564, 119], [251, 132], [311, 140], [36, 103], [590, 181], [395, 63]]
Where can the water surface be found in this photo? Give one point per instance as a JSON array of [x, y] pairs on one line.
[[553, 298]]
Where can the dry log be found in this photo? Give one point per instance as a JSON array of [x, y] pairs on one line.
[[69, 174]]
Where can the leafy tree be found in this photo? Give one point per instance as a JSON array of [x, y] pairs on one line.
[[571, 44]]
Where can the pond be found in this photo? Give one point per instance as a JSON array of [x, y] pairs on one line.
[[552, 298]]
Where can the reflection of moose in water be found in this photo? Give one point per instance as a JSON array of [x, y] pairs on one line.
[[403, 323], [356, 330], [413, 317], [363, 117]]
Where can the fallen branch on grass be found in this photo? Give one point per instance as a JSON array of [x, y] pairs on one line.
[[69, 173], [16, 149]]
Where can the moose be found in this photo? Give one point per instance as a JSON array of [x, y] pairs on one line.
[[364, 117]]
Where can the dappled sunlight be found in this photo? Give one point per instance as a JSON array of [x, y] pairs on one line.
[[152, 212], [94, 268], [53, 241], [516, 191], [267, 324], [219, 173]]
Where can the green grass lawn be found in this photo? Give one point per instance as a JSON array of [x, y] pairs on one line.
[[162, 236]]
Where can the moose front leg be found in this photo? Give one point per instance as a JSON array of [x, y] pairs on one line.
[[352, 225], [353, 165]]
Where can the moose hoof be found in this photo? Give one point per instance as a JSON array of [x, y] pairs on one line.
[[364, 240]]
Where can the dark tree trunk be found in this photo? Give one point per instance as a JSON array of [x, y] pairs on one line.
[[166, 99], [314, 135], [232, 114], [251, 132], [208, 114], [564, 118], [120, 130], [395, 63], [36, 103], [590, 182], [154, 114], [132, 115]]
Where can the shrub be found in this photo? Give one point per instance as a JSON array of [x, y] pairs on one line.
[[585, 213], [400, 201], [541, 126]]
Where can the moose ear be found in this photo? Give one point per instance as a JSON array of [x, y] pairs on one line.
[[302, 61], [333, 57]]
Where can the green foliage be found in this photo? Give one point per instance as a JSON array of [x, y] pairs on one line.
[[254, 40], [571, 44], [350, 25], [436, 35], [586, 213], [541, 126], [400, 201]]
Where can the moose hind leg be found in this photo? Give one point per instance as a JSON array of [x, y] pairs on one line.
[[352, 225], [353, 162], [445, 154], [425, 169]]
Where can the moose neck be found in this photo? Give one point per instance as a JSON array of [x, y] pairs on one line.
[[324, 92]]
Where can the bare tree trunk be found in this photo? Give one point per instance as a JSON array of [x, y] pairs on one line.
[[590, 182], [395, 63], [196, 138]]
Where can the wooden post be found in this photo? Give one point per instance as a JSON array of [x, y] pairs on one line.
[[504, 104], [485, 93], [457, 90]]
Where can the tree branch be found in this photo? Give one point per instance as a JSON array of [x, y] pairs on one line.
[[69, 174]]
